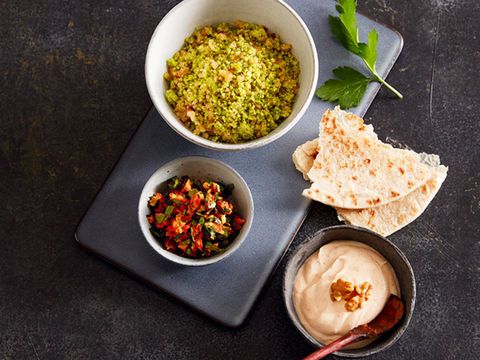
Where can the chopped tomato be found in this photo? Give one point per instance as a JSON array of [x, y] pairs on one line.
[[178, 197], [195, 202], [199, 243], [183, 246], [194, 219], [225, 207], [238, 222], [169, 244], [155, 198], [187, 186]]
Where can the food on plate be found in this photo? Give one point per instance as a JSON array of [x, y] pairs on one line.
[[370, 183], [387, 219], [304, 156], [354, 169], [349, 85], [353, 295], [232, 83], [342, 285], [194, 218]]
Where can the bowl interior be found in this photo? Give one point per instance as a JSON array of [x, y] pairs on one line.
[[181, 21], [396, 258], [199, 168]]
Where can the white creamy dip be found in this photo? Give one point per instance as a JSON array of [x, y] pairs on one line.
[[327, 320]]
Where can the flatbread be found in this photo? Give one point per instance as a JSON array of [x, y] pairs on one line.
[[355, 170], [304, 156], [389, 218]]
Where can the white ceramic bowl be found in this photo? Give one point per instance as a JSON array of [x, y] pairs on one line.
[[199, 168], [182, 20]]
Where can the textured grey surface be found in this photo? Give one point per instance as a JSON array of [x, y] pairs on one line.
[[72, 95], [279, 208]]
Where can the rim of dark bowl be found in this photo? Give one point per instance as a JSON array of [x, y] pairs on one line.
[[390, 251]]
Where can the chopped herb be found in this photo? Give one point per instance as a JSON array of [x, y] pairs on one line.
[[169, 211], [159, 217], [174, 182]]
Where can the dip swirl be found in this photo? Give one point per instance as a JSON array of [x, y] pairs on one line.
[[327, 320]]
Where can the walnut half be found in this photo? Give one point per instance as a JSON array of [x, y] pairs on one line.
[[354, 295], [341, 289]]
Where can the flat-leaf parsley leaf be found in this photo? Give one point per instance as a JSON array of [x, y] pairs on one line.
[[347, 90], [349, 87]]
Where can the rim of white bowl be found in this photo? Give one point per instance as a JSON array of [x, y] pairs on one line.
[[198, 140], [239, 239]]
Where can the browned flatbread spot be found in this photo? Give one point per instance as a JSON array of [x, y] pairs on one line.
[[374, 202], [354, 198]]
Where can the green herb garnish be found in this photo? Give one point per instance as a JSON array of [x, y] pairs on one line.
[[349, 86], [173, 182], [159, 218], [168, 211]]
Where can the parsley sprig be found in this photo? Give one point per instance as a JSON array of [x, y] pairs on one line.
[[349, 86]]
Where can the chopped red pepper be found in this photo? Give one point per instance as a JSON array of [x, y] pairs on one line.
[[238, 222], [155, 198], [194, 219]]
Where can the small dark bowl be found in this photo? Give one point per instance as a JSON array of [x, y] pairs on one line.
[[394, 256]]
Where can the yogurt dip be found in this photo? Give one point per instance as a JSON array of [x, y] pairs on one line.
[[326, 319]]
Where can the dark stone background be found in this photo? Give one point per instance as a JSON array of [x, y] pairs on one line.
[[73, 93]]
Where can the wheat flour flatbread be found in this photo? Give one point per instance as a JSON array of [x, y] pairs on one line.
[[304, 156], [389, 218], [355, 170]]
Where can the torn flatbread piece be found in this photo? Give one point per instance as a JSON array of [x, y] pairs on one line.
[[389, 218], [304, 156], [355, 170]]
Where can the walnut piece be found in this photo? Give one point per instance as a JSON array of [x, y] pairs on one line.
[[364, 290], [354, 303], [341, 289], [354, 295]]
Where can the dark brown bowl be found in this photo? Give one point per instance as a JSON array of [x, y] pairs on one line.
[[394, 256]]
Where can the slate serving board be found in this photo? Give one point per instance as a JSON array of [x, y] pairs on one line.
[[227, 290]]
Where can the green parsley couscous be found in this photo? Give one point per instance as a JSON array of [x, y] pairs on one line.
[[232, 83]]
